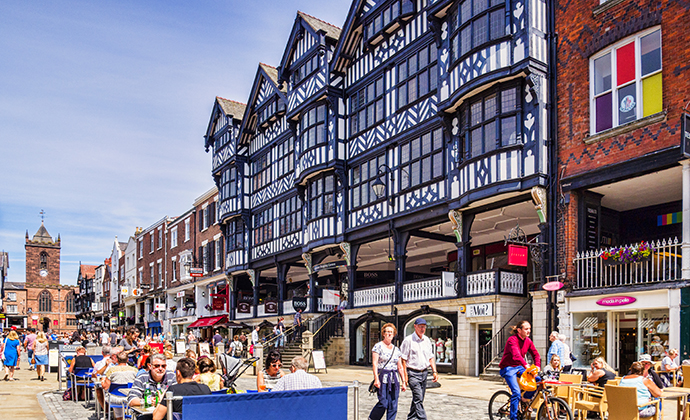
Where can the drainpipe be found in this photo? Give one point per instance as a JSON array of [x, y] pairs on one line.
[[553, 159]]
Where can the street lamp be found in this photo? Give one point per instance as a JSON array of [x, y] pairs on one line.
[[379, 186]]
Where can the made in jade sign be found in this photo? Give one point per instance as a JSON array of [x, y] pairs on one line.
[[616, 301]]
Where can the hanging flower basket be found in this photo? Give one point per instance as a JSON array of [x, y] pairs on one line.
[[627, 254]]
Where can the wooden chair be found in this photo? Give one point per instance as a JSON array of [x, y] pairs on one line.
[[622, 403], [566, 391], [586, 399], [686, 376]]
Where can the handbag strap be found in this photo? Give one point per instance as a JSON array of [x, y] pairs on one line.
[[389, 359]]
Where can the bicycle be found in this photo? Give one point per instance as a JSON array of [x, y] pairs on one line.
[[549, 406]]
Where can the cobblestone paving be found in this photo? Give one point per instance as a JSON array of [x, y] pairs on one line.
[[438, 406]]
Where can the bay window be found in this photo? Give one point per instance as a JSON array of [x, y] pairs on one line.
[[362, 177], [313, 127], [490, 121], [320, 193]]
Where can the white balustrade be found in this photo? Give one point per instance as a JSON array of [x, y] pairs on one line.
[[512, 282], [287, 308], [423, 290], [481, 283], [326, 308], [664, 264], [374, 296]]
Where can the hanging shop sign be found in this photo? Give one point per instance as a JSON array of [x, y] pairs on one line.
[[243, 307], [480, 309], [299, 303], [329, 265], [271, 307], [517, 255], [685, 132], [159, 307], [196, 272], [616, 301], [180, 294], [218, 303]]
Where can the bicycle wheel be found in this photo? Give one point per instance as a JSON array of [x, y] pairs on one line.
[[499, 406], [554, 409]]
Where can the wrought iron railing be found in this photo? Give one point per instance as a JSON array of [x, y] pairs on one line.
[[664, 264], [325, 327], [494, 348]]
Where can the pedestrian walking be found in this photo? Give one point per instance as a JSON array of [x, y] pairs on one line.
[[11, 351], [387, 366], [417, 355], [513, 362], [29, 343], [297, 325], [567, 361]]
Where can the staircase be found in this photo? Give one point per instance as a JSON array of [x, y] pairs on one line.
[[491, 372], [290, 351]]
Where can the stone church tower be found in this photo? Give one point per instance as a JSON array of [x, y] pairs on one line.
[[42, 259], [51, 306]]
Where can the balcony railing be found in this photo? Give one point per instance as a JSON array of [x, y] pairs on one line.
[[427, 289], [664, 264], [381, 295], [499, 281], [321, 307]]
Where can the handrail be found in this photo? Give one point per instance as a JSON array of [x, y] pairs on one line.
[[494, 347]]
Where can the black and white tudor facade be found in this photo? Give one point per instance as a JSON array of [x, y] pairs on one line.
[[442, 105]]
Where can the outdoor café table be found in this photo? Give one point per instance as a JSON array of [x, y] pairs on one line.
[[677, 393], [141, 413]]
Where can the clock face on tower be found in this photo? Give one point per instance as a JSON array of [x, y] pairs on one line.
[[43, 272]]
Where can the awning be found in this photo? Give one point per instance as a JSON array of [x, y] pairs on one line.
[[208, 321]]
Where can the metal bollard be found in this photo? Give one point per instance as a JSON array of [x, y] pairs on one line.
[[169, 399], [59, 375], [355, 404]]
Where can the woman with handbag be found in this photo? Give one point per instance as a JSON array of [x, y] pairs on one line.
[[387, 366]]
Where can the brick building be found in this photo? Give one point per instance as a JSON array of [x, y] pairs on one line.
[[50, 305], [622, 85]]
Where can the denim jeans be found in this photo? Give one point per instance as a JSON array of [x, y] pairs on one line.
[[511, 374], [30, 356]]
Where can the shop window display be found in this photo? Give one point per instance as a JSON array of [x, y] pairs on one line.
[[589, 337], [440, 332], [655, 327]]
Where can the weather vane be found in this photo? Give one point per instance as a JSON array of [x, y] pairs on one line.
[[42, 213]]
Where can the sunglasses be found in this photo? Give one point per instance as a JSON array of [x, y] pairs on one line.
[[277, 365], [158, 366]]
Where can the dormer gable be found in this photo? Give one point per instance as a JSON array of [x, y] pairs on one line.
[[308, 34], [266, 102], [225, 112]]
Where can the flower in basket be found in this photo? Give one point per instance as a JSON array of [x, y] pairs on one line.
[[628, 254]]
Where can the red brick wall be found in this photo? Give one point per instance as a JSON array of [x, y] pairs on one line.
[[33, 252], [59, 307], [580, 35]]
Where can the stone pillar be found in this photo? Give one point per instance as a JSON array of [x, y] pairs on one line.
[[540, 334], [307, 343], [686, 220], [258, 352]]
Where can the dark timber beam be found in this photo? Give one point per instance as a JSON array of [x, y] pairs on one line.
[[431, 235]]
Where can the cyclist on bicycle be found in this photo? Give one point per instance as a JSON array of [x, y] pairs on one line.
[[513, 362]]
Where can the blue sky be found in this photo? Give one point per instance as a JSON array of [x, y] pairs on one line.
[[103, 108]]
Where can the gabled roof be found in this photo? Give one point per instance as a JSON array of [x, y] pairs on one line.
[[347, 43], [227, 107], [317, 24], [123, 246], [314, 26], [14, 285], [87, 270], [266, 73]]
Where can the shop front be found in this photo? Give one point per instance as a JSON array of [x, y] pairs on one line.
[[440, 328], [619, 327], [180, 324]]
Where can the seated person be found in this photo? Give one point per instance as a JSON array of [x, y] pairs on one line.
[[669, 366], [157, 375], [646, 389], [600, 373], [207, 374], [120, 374], [109, 359], [299, 378], [271, 373], [82, 361], [185, 386], [553, 369], [648, 370]]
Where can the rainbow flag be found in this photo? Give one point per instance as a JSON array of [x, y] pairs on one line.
[[669, 219]]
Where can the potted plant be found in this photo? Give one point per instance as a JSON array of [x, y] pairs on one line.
[[627, 254]]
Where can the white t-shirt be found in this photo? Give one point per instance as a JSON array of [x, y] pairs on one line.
[[105, 338], [668, 361]]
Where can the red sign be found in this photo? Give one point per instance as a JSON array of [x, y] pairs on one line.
[[517, 255], [34, 321], [55, 322], [616, 301], [196, 272], [218, 304]]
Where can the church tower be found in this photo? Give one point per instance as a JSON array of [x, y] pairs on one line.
[[42, 259]]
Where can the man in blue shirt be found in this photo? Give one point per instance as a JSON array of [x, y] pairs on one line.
[[556, 348]]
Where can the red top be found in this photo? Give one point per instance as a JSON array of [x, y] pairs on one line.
[[515, 351]]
